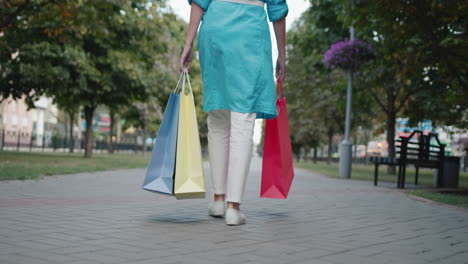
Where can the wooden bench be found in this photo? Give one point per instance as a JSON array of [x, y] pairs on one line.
[[416, 150], [383, 161]]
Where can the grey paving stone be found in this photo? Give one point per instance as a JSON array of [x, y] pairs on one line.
[[105, 217], [20, 259], [49, 256]]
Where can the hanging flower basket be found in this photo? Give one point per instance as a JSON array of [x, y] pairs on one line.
[[348, 55]]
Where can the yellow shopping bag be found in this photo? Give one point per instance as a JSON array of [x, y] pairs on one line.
[[189, 177]]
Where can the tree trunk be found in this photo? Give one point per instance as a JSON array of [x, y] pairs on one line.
[[315, 154], [367, 137], [305, 157], [71, 116], [118, 132], [330, 143], [391, 122], [89, 112], [145, 127], [367, 155], [143, 147], [110, 148], [355, 141]]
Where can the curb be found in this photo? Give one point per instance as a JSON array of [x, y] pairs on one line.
[[425, 200]]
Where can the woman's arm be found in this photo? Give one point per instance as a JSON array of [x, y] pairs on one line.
[[280, 32], [196, 14]]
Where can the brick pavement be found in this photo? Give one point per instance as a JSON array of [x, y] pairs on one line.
[[105, 217]]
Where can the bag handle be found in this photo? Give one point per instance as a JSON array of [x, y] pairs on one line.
[[178, 83], [186, 75], [279, 86]]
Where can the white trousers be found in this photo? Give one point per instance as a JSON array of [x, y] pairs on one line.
[[230, 143]]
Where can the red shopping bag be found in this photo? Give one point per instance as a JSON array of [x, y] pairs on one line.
[[277, 163]]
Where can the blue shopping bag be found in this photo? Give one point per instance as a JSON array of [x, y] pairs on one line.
[[161, 168]]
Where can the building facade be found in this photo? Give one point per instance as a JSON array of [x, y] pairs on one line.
[[23, 127]]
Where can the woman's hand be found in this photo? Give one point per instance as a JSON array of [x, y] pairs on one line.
[[280, 68], [186, 58], [196, 13], [280, 32]]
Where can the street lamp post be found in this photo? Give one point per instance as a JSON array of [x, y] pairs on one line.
[[346, 144]]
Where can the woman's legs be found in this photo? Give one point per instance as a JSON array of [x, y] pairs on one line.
[[240, 155], [219, 126], [230, 143]]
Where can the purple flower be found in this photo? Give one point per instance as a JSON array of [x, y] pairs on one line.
[[348, 55]]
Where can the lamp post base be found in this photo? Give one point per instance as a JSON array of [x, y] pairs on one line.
[[345, 159]]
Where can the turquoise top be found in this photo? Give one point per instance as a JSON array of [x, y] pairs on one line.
[[276, 9], [235, 54]]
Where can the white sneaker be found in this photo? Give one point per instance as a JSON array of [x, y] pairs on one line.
[[216, 209], [234, 217]]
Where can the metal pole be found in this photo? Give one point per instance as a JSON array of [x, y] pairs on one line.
[[347, 144], [349, 97]]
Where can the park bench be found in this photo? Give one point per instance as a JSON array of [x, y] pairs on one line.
[[417, 151]]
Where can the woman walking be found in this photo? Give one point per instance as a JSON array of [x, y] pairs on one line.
[[238, 86]]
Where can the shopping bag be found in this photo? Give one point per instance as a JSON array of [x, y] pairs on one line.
[[277, 163], [160, 171], [189, 176]]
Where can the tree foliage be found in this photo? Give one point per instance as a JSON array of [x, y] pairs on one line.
[[317, 95], [423, 53], [84, 53], [419, 70]]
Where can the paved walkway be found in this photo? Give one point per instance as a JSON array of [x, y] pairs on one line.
[[105, 217]]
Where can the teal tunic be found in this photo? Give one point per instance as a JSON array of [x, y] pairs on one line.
[[235, 54]]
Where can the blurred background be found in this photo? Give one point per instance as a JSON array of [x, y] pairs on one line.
[[84, 77]]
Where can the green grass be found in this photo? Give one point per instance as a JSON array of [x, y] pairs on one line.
[[453, 199], [33, 165], [366, 172]]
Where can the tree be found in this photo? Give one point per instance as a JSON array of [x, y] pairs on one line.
[[168, 66], [316, 95], [27, 31], [304, 87], [99, 53], [420, 69], [431, 56]]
